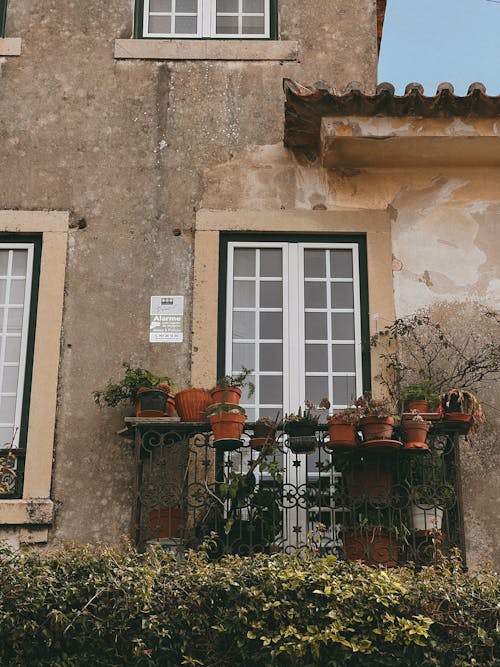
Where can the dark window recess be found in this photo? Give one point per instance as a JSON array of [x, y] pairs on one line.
[[3, 17]]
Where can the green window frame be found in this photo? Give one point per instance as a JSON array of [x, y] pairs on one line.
[[3, 17], [139, 27]]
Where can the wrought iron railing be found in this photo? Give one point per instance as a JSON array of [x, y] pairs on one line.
[[383, 506]]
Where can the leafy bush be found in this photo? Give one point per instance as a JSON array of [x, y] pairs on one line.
[[99, 606]]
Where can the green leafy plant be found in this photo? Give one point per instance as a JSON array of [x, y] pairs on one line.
[[346, 416], [127, 389], [419, 391], [305, 417], [367, 406], [220, 408], [240, 381]]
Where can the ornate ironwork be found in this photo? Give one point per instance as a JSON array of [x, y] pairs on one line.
[[8, 472], [388, 506]]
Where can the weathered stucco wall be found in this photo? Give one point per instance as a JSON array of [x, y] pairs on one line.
[[132, 148]]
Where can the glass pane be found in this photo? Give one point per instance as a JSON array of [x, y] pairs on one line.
[[315, 295], [227, 25], [341, 263], [19, 263], [271, 263], [15, 320], [271, 389], [271, 325], [227, 5], [244, 262], [316, 358], [12, 348], [314, 263], [186, 25], [271, 294], [245, 398], [342, 295], [3, 285], [316, 326], [4, 262], [343, 358], [250, 414], [7, 409], [10, 375], [316, 388], [243, 325], [17, 288], [6, 436], [2, 311], [252, 6], [252, 25], [344, 390], [243, 294], [160, 25], [271, 357], [274, 413], [160, 5], [343, 326], [188, 6], [243, 355]]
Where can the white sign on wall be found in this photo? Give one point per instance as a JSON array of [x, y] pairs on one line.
[[166, 319]]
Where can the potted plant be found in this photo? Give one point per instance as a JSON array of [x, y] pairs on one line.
[[227, 421], [264, 432], [374, 540], [419, 396], [461, 405], [228, 387], [342, 428], [430, 494], [301, 431], [376, 418], [152, 394], [191, 404], [415, 431]]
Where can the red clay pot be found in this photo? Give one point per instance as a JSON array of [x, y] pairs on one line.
[[227, 425], [226, 395], [376, 428], [367, 479], [415, 432], [419, 406], [166, 522], [191, 404], [341, 434], [371, 545]]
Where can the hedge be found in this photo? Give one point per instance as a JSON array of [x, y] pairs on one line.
[[101, 606]]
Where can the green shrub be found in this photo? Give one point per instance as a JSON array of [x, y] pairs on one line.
[[100, 606]]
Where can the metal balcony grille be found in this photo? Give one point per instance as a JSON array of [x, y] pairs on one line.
[[386, 507]]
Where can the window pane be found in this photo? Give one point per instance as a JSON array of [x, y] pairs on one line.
[[271, 389], [252, 6], [12, 348], [245, 398], [243, 355], [244, 262], [342, 295], [3, 285], [19, 262], [9, 381], [315, 295], [271, 325], [188, 6], [316, 388], [343, 326], [227, 5], [227, 25], [344, 390], [6, 436], [15, 320], [316, 358], [314, 263], [252, 25], [243, 325], [316, 326], [271, 263], [343, 358], [7, 409], [271, 356], [17, 288], [271, 294], [4, 262], [341, 263], [160, 25], [160, 5], [244, 294], [185, 25]]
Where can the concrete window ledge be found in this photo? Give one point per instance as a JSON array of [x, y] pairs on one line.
[[10, 46], [204, 49], [27, 511]]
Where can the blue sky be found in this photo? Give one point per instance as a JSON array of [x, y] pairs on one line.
[[431, 41]]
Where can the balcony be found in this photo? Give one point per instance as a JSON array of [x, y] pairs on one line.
[[385, 506]]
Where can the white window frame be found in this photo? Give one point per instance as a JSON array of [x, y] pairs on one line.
[[207, 22]]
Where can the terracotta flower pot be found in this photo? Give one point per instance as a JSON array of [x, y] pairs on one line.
[[227, 425], [415, 434], [341, 434], [226, 395], [191, 404], [167, 522], [376, 428], [369, 480], [371, 545], [419, 406], [259, 443]]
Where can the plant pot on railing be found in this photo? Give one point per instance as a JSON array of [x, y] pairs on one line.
[[426, 518], [154, 403], [227, 421], [369, 480], [301, 431], [372, 545], [228, 387], [192, 404], [415, 433], [376, 428], [341, 434]]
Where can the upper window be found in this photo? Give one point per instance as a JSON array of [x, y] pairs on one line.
[[237, 19]]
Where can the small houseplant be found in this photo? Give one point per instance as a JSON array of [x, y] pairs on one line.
[[264, 432], [342, 428], [430, 494], [227, 421], [419, 396], [415, 429], [376, 418], [228, 387], [301, 429], [461, 405], [152, 394]]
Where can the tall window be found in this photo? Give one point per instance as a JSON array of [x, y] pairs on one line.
[[293, 314], [206, 18]]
